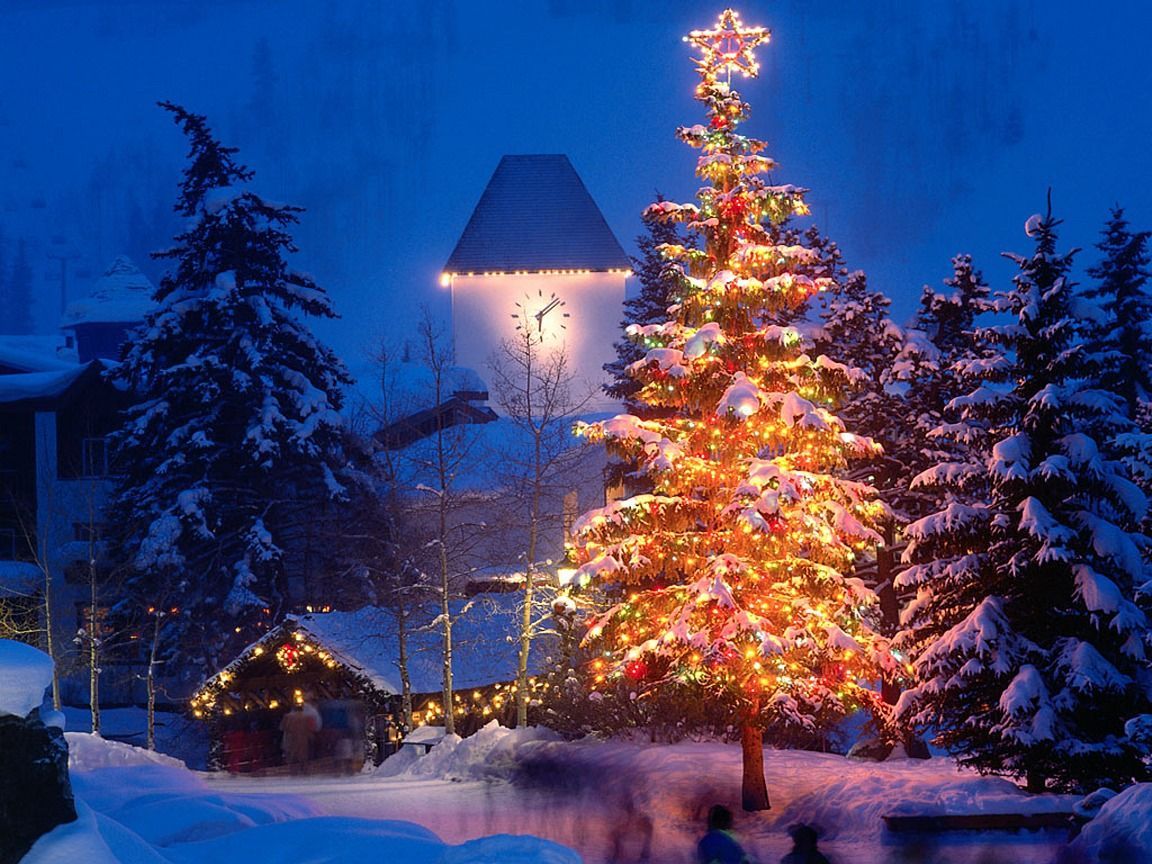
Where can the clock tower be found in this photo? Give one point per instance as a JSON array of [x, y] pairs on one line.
[[537, 255]]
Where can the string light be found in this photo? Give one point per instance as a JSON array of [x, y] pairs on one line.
[[732, 572]]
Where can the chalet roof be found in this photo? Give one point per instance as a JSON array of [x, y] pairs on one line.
[[364, 642], [40, 388], [536, 214], [121, 296]]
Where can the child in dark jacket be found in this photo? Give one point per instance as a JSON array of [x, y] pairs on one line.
[[718, 846]]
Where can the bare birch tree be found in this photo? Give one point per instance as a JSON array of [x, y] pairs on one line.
[[535, 390]]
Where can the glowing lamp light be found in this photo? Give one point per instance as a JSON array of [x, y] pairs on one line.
[[445, 280]]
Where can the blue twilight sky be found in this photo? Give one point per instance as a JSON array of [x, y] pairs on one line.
[[922, 127]]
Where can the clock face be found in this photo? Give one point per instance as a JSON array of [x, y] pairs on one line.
[[541, 315]]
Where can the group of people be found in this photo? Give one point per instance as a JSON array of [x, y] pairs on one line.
[[718, 846], [340, 744]]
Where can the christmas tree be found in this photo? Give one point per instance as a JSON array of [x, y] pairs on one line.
[[730, 578]]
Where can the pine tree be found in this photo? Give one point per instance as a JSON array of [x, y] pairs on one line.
[[235, 439], [1121, 343], [658, 291], [939, 360], [1030, 652], [948, 318], [729, 578]]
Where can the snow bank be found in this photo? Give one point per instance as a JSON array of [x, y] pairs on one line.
[[91, 839], [25, 673], [166, 805], [1121, 832], [493, 753], [87, 752], [135, 803], [509, 849]]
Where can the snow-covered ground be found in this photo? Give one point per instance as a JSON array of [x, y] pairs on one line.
[[473, 800]]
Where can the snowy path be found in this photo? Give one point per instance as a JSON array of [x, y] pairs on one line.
[[674, 786]]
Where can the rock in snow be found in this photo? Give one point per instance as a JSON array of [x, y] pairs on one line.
[[35, 793]]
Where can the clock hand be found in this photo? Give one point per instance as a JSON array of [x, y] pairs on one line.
[[555, 302]]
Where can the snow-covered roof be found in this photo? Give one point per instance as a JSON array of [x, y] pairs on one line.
[[482, 636], [364, 642], [19, 577], [39, 385], [487, 447], [32, 353], [121, 296], [536, 214], [405, 388]]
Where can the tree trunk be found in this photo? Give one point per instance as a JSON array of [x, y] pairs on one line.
[[151, 679], [93, 646], [889, 611], [526, 613], [525, 647], [1034, 782], [753, 787], [405, 678], [446, 637], [50, 638]]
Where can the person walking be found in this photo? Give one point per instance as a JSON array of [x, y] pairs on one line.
[[296, 728], [804, 849], [718, 846]]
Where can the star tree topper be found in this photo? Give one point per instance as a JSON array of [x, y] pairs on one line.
[[730, 45]]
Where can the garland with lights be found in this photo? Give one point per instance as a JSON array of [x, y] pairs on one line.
[[294, 654], [732, 578]]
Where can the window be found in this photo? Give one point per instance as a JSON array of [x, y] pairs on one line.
[[94, 457], [614, 490], [7, 544]]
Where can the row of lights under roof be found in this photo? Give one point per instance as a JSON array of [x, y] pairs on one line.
[[446, 278]]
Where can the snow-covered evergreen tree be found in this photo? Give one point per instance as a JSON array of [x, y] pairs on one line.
[[1029, 648], [1121, 341], [939, 359], [732, 579], [235, 440], [658, 290], [858, 332], [827, 261]]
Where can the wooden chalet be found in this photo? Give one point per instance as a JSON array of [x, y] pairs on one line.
[[344, 665]]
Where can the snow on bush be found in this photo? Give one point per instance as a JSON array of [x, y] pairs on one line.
[[1121, 832], [25, 673]]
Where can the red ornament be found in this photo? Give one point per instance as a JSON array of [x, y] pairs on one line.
[[636, 669], [719, 122]]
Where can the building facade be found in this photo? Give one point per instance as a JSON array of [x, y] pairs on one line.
[[537, 255]]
